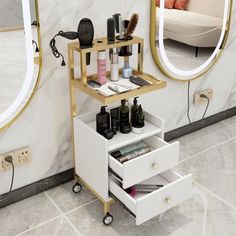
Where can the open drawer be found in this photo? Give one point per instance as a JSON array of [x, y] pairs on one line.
[[176, 189], [164, 156]]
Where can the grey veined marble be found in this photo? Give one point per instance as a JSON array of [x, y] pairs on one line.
[[203, 139], [216, 170], [185, 220]]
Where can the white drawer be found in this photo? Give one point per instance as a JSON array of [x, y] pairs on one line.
[[146, 206], [163, 157]]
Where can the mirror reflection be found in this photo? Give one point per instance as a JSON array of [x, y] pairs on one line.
[[189, 33], [13, 54]]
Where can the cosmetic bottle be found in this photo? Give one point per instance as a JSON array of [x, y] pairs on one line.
[[124, 118], [127, 71], [139, 124], [103, 123], [128, 149], [101, 65], [134, 110], [115, 119], [114, 67]]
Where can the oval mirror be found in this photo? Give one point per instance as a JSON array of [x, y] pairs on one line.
[[188, 36], [20, 57]]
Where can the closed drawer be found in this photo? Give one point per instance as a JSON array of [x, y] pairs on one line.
[[163, 157], [176, 189]]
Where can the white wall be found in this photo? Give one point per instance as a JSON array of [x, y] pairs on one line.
[[11, 12], [45, 126]]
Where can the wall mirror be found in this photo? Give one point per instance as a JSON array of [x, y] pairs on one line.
[[20, 57], [188, 36]]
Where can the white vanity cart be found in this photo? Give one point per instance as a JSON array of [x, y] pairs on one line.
[[104, 175]]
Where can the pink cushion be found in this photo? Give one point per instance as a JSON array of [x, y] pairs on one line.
[[181, 4], [168, 3]]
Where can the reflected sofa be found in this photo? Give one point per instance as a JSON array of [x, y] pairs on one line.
[[200, 25]]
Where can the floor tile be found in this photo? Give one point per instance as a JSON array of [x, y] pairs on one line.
[[231, 121], [200, 140], [67, 200], [184, 220], [216, 170], [26, 214], [57, 227]]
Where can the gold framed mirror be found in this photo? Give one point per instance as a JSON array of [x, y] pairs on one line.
[[20, 57], [187, 37]]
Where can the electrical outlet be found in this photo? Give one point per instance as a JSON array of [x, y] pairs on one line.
[[199, 100], [20, 156]]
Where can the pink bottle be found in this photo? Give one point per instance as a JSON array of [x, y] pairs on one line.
[[102, 67]]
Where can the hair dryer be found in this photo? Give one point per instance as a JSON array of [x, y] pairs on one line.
[[85, 34]]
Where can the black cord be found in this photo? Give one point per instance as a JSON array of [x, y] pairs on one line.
[[10, 160], [36, 46], [188, 110], [208, 103], [55, 52]]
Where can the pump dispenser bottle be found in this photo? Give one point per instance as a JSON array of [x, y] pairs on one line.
[[124, 118], [134, 110]]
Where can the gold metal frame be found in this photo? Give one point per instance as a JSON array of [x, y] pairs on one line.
[[38, 60], [155, 54]]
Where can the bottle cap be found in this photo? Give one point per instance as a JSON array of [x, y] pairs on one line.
[[103, 109], [114, 58], [102, 55]]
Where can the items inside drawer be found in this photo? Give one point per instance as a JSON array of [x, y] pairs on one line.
[[137, 149], [146, 187]]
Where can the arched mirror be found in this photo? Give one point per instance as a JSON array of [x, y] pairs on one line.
[[20, 57], [188, 36]]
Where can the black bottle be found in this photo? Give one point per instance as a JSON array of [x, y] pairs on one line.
[[140, 118], [103, 123], [134, 110], [124, 118]]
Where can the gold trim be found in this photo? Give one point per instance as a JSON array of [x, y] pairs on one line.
[[39, 73], [155, 55]]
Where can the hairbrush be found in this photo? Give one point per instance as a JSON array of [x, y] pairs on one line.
[[132, 25]]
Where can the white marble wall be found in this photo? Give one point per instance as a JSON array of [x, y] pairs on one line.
[[45, 126]]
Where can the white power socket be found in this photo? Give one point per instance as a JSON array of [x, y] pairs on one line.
[[20, 156], [199, 100]]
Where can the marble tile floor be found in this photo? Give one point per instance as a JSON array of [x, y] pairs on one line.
[[209, 154]]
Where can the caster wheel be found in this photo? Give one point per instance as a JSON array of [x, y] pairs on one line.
[[77, 188], [107, 220]]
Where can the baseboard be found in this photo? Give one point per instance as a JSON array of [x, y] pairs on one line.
[[174, 134], [50, 182], [37, 187]]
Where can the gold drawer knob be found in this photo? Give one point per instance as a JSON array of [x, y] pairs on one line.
[[168, 200], [155, 166]]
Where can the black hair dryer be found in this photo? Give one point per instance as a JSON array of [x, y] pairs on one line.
[[85, 34]]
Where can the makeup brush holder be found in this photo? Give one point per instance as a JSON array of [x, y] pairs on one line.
[[125, 51]]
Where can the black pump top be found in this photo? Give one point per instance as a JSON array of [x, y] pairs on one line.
[[123, 101], [135, 101], [140, 108], [103, 109]]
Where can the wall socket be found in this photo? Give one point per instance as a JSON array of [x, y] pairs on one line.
[[199, 100], [20, 156]]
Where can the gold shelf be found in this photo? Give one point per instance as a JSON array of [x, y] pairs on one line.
[[102, 44], [106, 100]]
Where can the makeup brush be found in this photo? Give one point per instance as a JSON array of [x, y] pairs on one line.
[[116, 19], [132, 25]]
